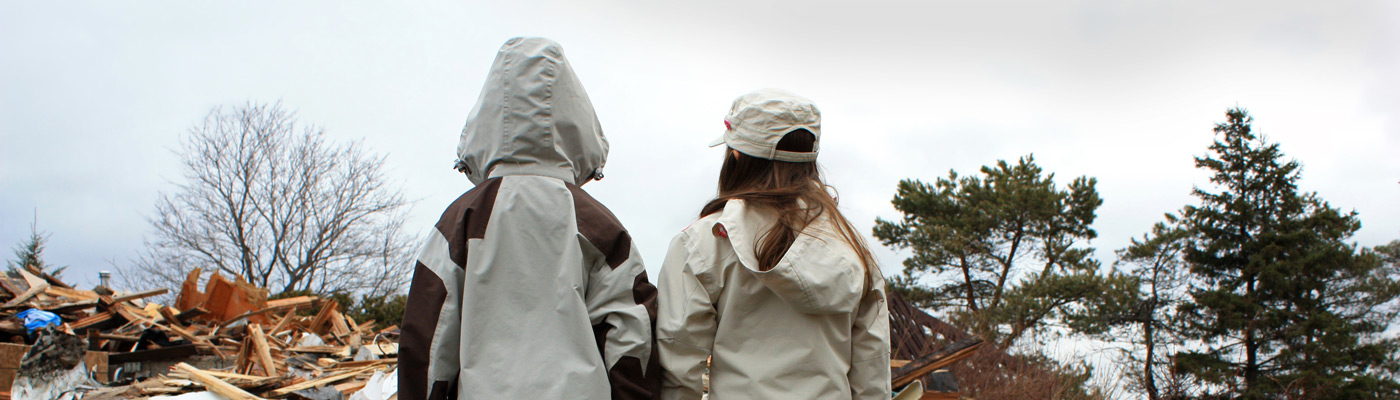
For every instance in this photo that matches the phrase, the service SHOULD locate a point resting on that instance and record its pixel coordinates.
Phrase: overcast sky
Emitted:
(95, 95)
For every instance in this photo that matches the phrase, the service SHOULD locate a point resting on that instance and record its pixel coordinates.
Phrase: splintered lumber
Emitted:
(291, 302)
(134, 316)
(338, 326)
(222, 298)
(31, 279)
(28, 294)
(169, 316)
(164, 353)
(59, 291)
(255, 313)
(933, 361)
(283, 323)
(263, 352)
(323, 381)
(12, 327)
(139, 295)
(328, 311)
(13, 285)
(91, 320)
(354, 340)
(214, 384)
(190, 296)
(349, 388)
(46, 277)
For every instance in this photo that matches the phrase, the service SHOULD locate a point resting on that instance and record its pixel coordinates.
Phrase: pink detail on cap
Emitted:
(726, 125)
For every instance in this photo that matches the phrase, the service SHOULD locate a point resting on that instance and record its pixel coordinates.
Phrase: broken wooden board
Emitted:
(928, 363)
(215, 384)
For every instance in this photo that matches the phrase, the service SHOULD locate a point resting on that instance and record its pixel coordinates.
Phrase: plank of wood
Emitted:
(292, 301)
(283, 322)
(355, 341)
(71, 293)
(253, 313)
(14, 286)
(323, 316)
(898, 363)
(169, 317)
(190, 314)
(933, 361)
(349, 388)
(322, 381)
(215, 384)
(323, 349)
(108, 336)
(263, 352)
(52, 281)
(70, 306)
(28, 294)
(338, 325)
(139, 295)
(31, 279)
(383, 349)
(164, 353)
(92, 320)
(230, 375)
(134, 315)
(12, 326)
(366, 363)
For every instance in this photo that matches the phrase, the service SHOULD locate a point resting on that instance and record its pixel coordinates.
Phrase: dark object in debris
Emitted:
(52, 351)
(943, 381)
(53, 368)
(321, 393)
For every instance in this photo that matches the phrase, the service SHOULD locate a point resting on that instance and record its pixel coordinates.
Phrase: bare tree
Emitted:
(279, 205)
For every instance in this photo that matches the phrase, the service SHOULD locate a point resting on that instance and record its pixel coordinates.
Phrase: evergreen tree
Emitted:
(1005, 249)
(30, 253)
(1281, 304)
(1145, 315)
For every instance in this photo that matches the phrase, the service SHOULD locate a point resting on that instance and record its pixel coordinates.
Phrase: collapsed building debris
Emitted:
(922, 346)
(228, 339)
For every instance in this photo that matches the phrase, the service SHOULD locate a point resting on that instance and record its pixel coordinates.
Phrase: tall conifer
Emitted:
(1282, 304)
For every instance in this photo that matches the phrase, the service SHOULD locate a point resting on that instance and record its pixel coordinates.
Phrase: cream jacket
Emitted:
(813, 327)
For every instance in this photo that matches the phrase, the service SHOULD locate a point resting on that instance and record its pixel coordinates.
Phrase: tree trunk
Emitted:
(1148, 378)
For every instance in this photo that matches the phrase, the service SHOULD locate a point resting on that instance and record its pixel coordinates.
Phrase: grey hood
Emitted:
(533, 118)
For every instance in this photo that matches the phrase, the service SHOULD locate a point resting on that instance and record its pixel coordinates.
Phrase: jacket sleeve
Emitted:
(428, 360)
(870, 349)
(622, 308)
(686, 323)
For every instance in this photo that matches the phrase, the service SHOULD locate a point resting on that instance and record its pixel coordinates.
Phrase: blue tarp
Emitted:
(35, 319)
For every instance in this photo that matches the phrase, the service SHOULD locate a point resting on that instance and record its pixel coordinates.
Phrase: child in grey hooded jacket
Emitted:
(529, 288)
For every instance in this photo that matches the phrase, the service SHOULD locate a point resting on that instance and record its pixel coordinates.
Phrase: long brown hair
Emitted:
(777, 187)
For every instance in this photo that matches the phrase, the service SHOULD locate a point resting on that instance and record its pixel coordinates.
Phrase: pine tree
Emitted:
(1280, 303)
(1148, 318)
(1005, 250)
(30, 253)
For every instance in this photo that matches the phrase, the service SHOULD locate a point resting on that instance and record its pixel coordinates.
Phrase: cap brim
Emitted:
(718, 141)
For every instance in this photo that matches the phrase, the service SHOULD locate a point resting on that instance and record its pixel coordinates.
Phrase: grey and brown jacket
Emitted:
(529, 288)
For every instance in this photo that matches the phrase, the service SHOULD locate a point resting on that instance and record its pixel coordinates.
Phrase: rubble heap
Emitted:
(228, 339)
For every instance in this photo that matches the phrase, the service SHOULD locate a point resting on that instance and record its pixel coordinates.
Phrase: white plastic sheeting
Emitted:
(381, 386)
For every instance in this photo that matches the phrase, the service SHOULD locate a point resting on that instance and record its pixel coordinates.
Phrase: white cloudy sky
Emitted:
(94, 95)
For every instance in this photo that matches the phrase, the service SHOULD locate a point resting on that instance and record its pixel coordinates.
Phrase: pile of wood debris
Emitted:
(228, 339)
(923, 347)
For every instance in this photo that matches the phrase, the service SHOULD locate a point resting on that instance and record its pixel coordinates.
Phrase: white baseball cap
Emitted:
(758, 120)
